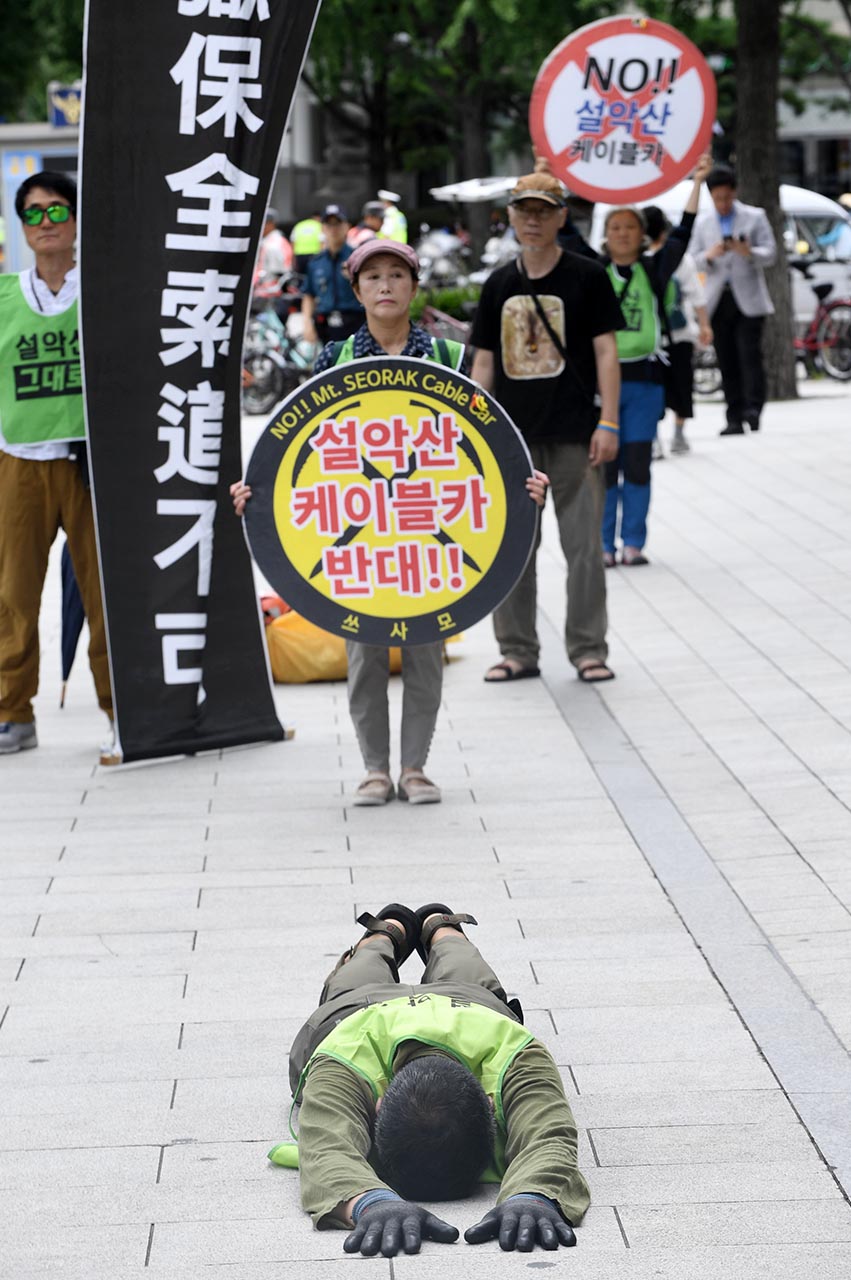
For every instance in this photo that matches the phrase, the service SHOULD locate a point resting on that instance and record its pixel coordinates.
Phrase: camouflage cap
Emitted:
(538, 186)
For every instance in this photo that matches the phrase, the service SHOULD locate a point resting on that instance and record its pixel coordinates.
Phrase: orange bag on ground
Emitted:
(300, 652)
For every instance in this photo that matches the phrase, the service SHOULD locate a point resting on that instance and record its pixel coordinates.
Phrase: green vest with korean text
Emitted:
(41, 389)
(483, 1041)
(443, 351)
(642, 336)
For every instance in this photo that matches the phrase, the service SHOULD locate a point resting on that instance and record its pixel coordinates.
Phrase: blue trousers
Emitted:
(642, 404)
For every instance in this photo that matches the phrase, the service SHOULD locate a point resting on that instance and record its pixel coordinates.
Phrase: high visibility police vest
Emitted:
(41, 388)
(642, 336)
(394, 226)
(306, 237)
(483, 1041)
(443, 351)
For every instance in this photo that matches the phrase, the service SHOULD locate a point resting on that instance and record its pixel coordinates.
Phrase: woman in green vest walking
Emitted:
(384, 276)
(640, 283)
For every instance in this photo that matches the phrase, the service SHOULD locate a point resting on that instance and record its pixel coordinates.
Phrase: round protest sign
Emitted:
(389, 502)
(622, 109)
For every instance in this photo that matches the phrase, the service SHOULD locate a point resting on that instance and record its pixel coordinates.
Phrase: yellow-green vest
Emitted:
(41, 390)
(642, 336)
(483, 1041)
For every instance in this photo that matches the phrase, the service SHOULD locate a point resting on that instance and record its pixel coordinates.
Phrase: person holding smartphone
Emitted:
(733, 244)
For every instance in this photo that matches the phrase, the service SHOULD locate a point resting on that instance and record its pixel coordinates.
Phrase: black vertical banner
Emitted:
(185, 106)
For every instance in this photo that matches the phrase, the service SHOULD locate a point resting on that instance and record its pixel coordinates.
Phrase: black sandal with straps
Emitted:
(403, 944)
(446, 919)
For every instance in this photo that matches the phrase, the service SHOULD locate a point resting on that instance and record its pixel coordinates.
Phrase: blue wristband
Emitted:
(369, 1199)
(537, 1195)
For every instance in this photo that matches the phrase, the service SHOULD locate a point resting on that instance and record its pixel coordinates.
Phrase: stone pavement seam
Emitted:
(791, 1035)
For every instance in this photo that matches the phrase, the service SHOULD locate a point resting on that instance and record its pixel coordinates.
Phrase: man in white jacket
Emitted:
(733, 245)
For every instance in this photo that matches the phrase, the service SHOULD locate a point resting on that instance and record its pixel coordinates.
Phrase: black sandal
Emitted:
(403, 944)
(446, 919)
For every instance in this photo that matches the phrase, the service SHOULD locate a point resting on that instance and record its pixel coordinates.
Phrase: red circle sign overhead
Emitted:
(622, 109)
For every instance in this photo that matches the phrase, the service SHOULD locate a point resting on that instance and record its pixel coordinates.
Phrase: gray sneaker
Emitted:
(679, 444)
(16, 737)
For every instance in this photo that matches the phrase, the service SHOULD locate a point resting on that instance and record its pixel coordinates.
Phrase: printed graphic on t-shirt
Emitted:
(527, 349)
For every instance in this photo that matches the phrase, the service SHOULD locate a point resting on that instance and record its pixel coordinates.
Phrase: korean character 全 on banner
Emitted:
(348, 570)
(386, 441)
(319, 503)
(241, 9)
(199, 534)
(198, 183)
(650, 117)
(434, 443)
(400, 567)
(231, 66)
(414, 504)
(194, 450)
(590, 117)
(201, 301)
(185, 633)
(465, 497)
(27, 346)
(337, 446)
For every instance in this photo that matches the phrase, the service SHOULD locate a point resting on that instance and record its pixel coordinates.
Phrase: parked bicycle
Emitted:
(826, 342)
(275, 358)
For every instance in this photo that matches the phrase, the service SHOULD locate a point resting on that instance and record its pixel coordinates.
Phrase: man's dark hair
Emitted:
(655, 221)
(58, 183)
(721, 176)
(434, 1133)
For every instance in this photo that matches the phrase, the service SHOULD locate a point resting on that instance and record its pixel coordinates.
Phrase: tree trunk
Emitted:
(757, 76)
(475, 161)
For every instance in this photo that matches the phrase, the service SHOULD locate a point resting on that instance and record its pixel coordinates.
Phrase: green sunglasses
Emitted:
(34, 215)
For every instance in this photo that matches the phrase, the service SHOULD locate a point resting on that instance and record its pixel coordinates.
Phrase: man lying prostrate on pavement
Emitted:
(412, 1093)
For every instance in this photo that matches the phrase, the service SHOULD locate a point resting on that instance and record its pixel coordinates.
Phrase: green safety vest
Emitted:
(483, 1041)
(306, 237)
(41, 390)
(642, 336)
(443, 351)
(395, 226)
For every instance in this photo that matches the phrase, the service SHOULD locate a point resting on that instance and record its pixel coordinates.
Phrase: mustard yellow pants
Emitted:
(36, 500)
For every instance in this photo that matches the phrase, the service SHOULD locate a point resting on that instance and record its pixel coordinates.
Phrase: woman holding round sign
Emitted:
(384, 276)
(641, 283)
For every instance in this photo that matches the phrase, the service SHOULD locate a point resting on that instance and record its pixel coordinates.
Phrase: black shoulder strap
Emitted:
(553, 336)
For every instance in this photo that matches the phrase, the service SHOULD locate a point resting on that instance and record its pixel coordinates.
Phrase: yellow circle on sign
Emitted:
(400, 504)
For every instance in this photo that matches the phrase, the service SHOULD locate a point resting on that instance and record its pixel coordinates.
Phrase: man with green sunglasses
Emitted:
(43, 479)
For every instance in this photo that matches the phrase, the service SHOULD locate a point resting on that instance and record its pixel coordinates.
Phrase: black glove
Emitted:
(391, 1225)
(521, 1222)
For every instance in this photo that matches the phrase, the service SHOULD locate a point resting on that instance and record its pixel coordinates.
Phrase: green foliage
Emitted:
(42, 40)
(452, 301)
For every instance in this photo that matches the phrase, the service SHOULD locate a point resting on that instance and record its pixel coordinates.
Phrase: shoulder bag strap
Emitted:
(553, 336)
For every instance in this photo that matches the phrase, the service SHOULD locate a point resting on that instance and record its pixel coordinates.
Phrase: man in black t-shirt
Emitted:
(545, 347)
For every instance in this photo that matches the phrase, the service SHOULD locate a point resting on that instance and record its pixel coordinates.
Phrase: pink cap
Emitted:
(372, 248)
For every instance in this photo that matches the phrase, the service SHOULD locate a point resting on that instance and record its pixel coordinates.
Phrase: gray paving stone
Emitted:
(679, 1226)
(746, 1072)
(116, 1247)
(712, 1184)
(30, 1171)
(704, 1144)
